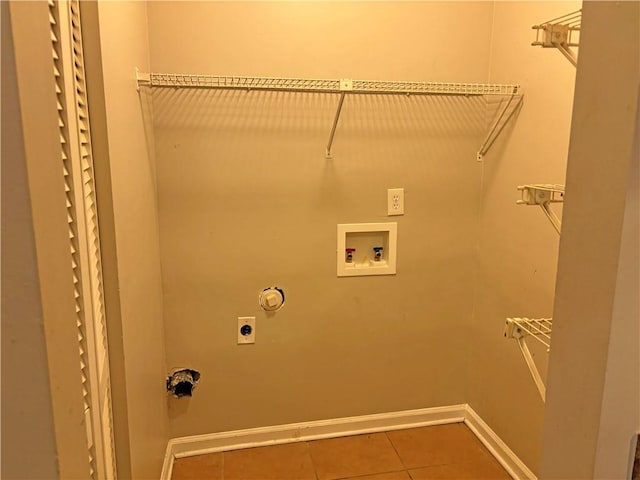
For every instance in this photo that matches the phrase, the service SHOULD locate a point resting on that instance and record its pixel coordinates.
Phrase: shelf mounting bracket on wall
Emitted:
(560, 33)
(543, 195)
(342, 87)
(537, 328)
(346, 85)
(142, 79)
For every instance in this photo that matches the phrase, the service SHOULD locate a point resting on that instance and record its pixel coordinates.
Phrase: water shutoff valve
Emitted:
(377, 253)
(348, 256)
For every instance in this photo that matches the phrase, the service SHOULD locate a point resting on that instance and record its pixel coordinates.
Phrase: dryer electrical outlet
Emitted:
(395, 201)
(246, 330)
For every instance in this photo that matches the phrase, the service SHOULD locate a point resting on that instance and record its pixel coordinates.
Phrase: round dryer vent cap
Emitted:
(271, 299)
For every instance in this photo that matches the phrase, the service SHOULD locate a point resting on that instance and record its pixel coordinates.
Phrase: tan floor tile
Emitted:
(200, 467)
(442, 472)
(459, 472)
(278, 462)
(487, 467)
(404, 475)
(352, 456)
(437, 445)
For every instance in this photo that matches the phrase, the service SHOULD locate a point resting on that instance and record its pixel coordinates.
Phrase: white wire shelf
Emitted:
(175, 80)
(543, 195)
(539, 329)
(343, 87)
(560, 33)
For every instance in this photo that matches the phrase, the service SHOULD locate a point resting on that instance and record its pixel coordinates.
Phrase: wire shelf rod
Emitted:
(570, 19)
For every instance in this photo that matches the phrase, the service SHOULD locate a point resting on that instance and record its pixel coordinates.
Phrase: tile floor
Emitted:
(439, 452)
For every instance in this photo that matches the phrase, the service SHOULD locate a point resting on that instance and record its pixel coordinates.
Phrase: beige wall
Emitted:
(129, 233)
(247, 200)
(28, 438)
(379, 40)
(518, 247)
(585, 372)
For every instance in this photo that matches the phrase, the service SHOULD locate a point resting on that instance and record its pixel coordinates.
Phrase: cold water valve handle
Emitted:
(377, 253)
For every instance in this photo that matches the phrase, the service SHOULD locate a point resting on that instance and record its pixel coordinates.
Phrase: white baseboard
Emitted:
(340, 427)
(500, 450)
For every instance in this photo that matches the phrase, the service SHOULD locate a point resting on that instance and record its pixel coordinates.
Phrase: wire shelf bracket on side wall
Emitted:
(560, 33)
(543, 195)
(343, 87)
(499, 123)
(537, 328)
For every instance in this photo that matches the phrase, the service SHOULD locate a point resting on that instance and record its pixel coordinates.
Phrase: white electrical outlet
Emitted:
(395, 201)
(246, 330)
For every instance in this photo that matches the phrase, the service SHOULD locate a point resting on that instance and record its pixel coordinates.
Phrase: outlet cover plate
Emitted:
(246, 330)
(395, 201)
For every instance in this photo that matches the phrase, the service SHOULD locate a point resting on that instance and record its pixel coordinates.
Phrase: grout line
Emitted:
(395, 450)
(366, 475)
(313, 463)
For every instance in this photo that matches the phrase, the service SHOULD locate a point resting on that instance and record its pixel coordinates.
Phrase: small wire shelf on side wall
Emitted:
(538, 329)
(543, 195)
(561, 33)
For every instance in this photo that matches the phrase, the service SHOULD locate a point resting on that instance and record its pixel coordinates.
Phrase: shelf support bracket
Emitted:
(498, 126)
(533, 369)
(553, 218)
(142, 79)
(569, 54)
(346, 85)
(327, 153)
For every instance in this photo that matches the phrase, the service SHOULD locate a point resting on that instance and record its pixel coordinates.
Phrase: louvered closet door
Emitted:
(77, 169)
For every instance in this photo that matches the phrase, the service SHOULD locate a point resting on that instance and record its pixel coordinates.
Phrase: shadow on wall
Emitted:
(372, 117)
